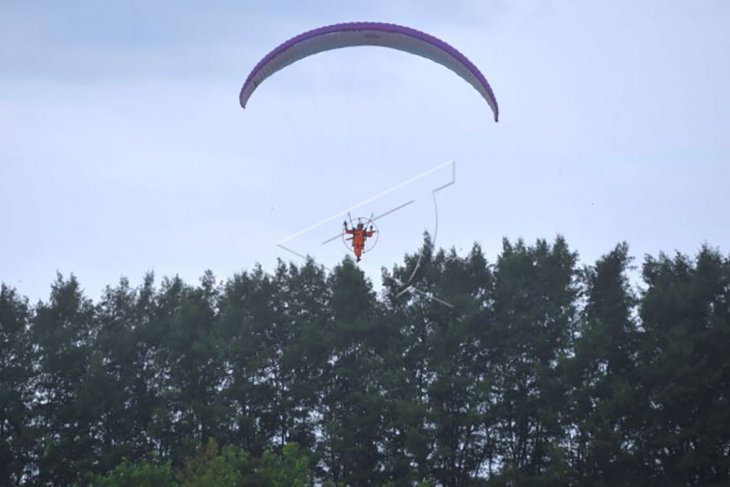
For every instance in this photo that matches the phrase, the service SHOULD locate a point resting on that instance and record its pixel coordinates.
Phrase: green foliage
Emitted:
(535, 372)
(534, 313)
(684, 368)
(213, 466)
(602, 375)
(63, 331)
(16, 375)
(145, 474)
(216, 467)
(289, 468)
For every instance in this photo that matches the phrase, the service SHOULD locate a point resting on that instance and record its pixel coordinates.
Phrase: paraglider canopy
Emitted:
(368, 34)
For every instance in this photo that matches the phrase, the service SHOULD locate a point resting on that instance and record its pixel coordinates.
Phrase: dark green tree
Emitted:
(685, 370)
(534, 319)
(526, 372)
(275, 332)
(444, 341)
(304, 356)
(121, 373)
(63, 331)
(353, 408)
(247, 316)
(16, 388)
(603, 378)
(188, 364)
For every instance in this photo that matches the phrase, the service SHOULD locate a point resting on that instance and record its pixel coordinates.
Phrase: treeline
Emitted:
(540, 372)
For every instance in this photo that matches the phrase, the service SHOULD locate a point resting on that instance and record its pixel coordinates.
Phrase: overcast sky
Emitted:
(123, 148)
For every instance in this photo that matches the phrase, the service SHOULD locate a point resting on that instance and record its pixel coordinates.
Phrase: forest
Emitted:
(544, 371)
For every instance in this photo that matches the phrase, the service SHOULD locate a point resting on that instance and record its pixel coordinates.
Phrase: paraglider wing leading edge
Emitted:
(368, 34)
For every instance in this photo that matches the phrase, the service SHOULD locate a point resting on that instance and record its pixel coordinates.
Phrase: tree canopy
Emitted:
(542, 371)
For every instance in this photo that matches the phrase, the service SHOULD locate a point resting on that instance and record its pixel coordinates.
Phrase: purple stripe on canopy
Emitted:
(373, 34)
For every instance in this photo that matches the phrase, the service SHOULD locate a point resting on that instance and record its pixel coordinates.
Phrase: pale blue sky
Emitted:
(123, 148)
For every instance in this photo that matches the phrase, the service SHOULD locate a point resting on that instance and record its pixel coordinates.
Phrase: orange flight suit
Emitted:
(359, 235)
